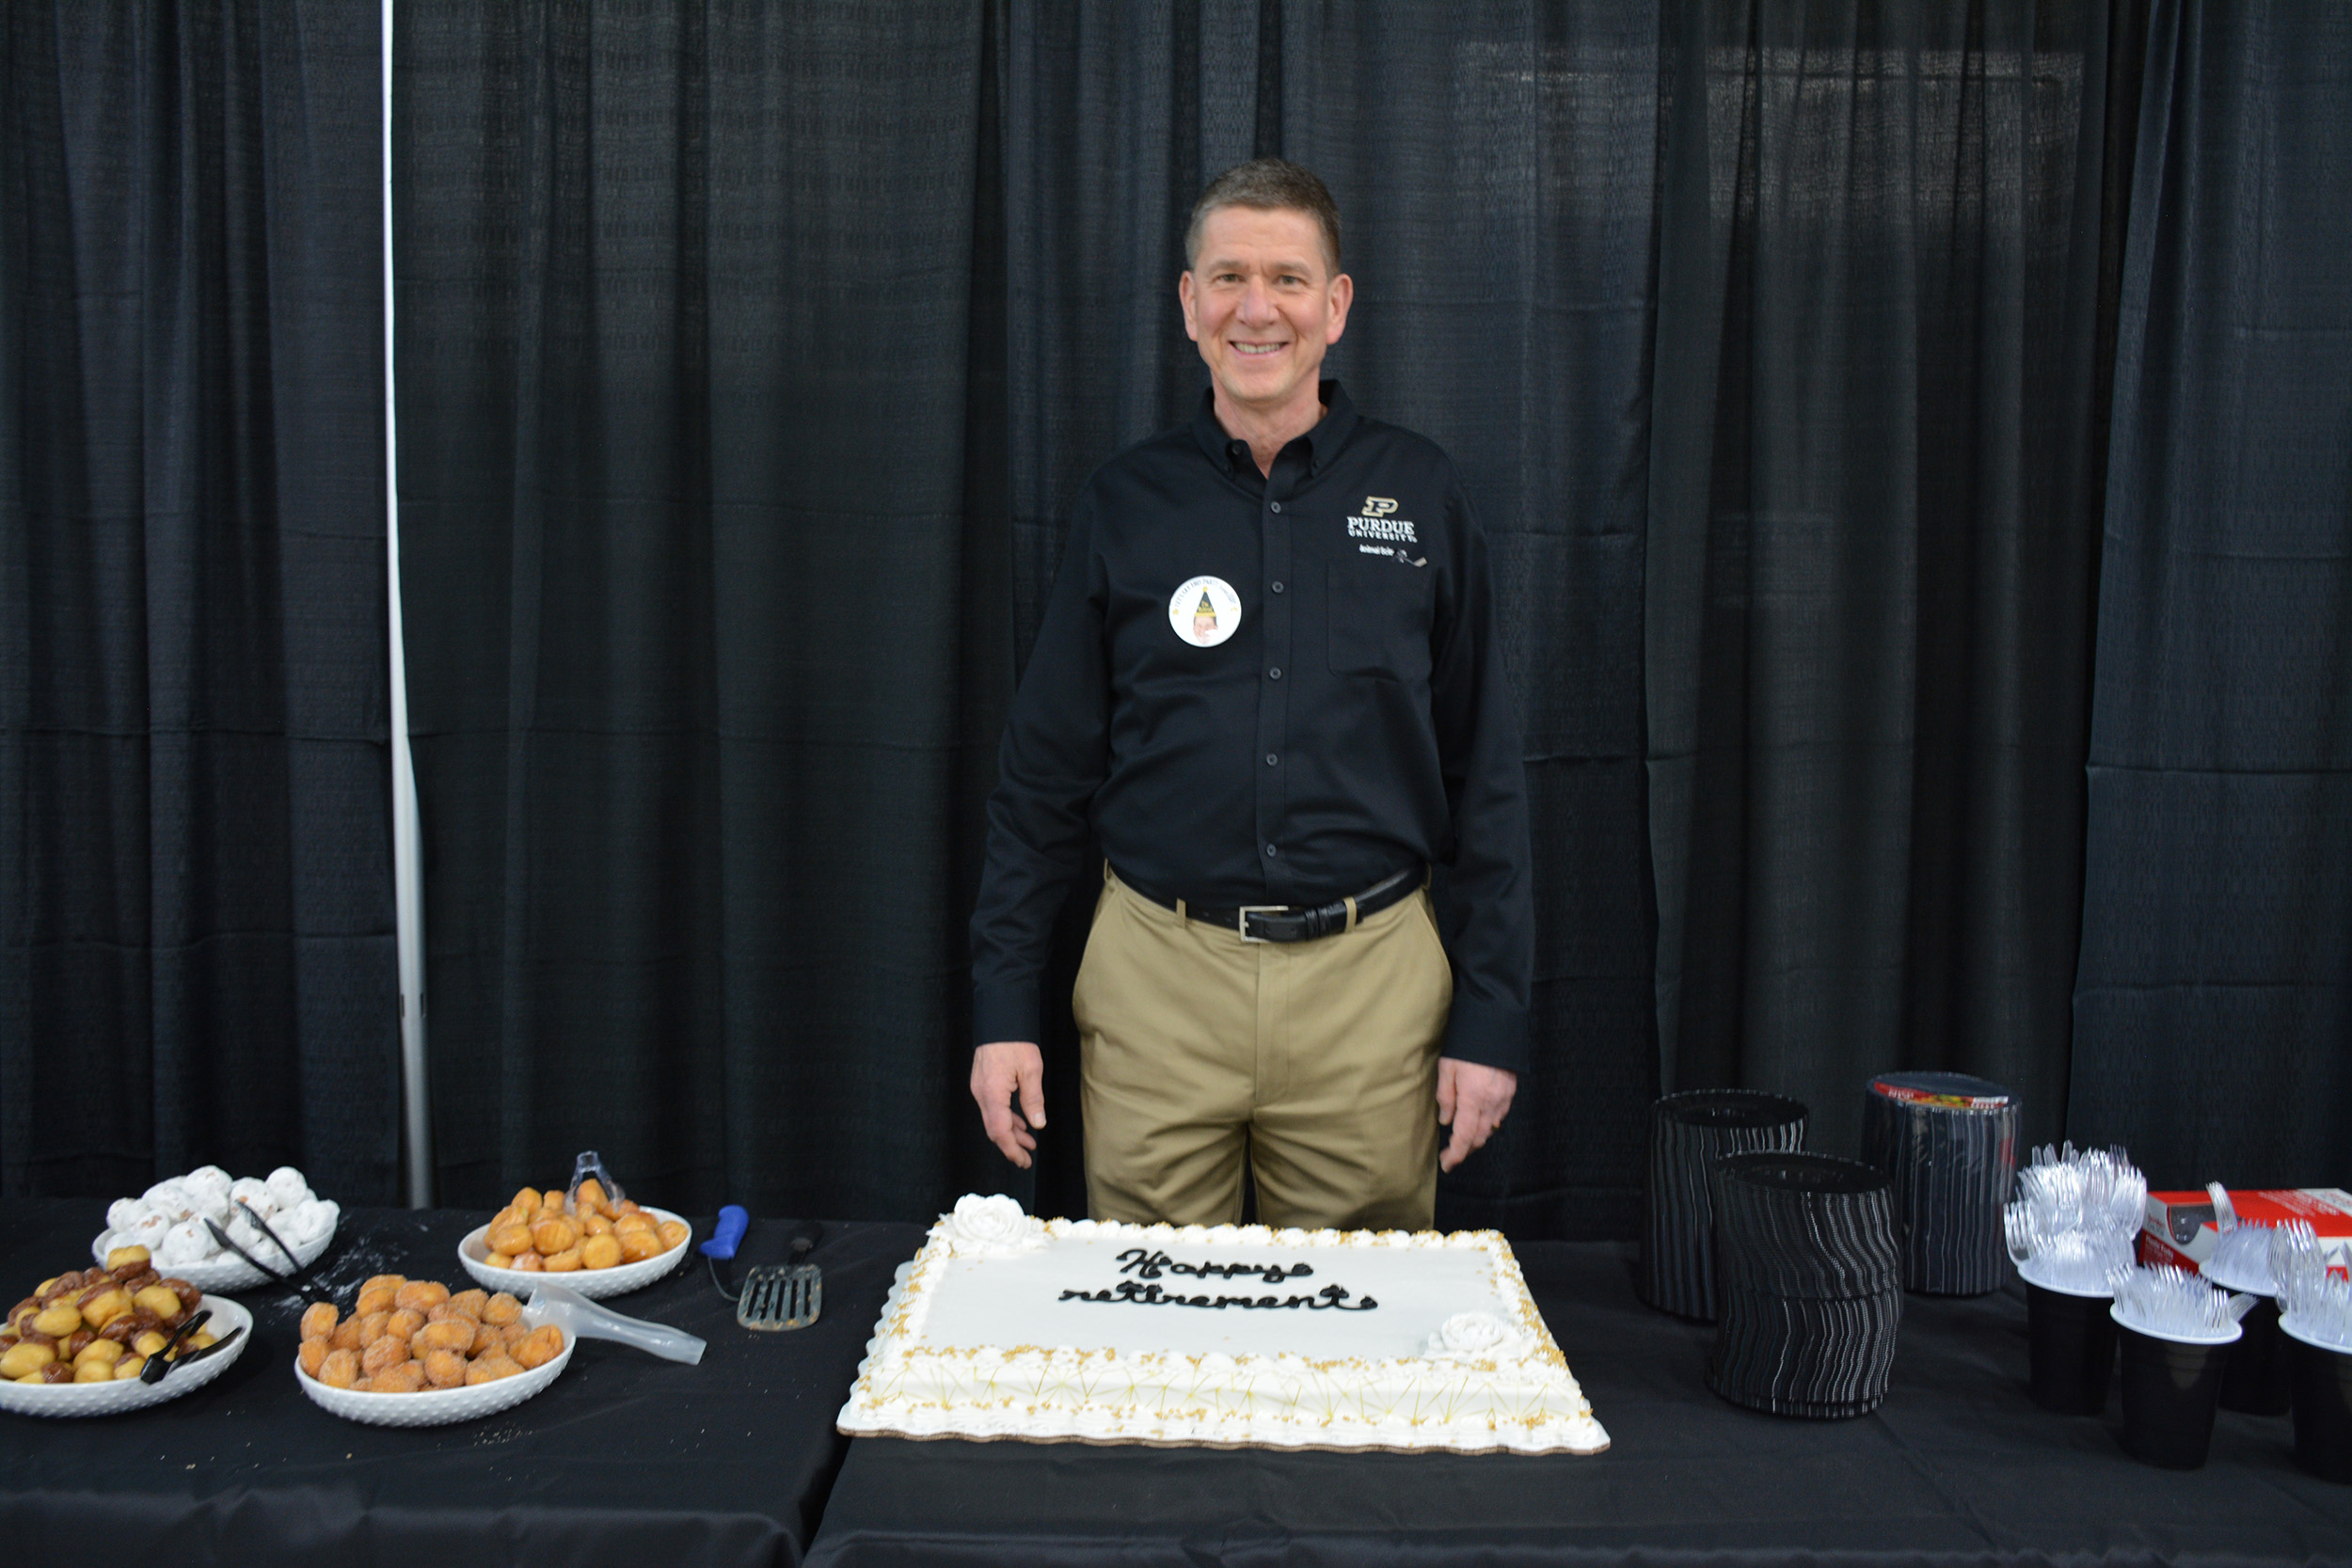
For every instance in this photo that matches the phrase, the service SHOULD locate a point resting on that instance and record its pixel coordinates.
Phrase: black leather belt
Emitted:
(1294, 922)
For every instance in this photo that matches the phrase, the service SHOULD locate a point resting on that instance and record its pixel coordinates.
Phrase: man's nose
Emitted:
(1257, 303)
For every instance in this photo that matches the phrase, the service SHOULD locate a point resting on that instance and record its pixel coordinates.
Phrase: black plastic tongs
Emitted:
(288, 1277)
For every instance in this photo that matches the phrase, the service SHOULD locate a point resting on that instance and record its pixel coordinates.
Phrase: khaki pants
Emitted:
(1318, 1059)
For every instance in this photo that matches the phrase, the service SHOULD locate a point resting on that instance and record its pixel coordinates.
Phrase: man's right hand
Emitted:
(1000, 1069)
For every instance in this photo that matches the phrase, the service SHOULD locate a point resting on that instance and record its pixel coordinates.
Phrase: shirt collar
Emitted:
(1323, 442)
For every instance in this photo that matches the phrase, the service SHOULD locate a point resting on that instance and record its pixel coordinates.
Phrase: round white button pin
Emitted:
(1204, 611)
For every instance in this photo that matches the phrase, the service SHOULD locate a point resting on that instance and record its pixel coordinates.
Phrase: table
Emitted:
(1957, 1466)
(625, 1458)
(630, 1460)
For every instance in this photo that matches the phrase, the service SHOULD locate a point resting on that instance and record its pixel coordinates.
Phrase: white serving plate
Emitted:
(230, 1272)
(595, 1284)
(113, 1399)
(433, 1407)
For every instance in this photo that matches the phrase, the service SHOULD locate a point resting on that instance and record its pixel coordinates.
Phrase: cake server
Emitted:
(785, 1296)
(773, 1295)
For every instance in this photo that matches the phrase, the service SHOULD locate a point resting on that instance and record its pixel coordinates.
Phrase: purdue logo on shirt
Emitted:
(1204, 611)
(1379, 521)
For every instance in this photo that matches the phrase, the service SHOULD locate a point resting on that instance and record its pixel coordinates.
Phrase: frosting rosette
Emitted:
(993, 1228)
(1476, 1337)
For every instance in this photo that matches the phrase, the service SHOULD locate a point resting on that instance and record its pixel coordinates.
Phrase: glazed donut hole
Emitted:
(97, 1324)
(550, 1231)
(431, 1339)
(419, 1295)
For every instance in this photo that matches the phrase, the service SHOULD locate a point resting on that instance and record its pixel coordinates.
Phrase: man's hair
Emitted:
(1269, 184)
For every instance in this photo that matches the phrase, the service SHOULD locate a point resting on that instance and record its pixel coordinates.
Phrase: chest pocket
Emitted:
(1378, 613)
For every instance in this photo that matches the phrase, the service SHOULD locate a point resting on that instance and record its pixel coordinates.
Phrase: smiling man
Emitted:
(1269, 687)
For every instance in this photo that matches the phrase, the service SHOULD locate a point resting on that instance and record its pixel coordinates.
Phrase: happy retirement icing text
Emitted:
(1145, 1267)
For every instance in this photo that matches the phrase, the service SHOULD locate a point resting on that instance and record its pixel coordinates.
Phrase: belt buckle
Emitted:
(1241, 919)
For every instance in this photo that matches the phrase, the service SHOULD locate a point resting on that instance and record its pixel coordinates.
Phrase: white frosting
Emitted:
(255, 1195)
(248, 1235)
(207, 1179)
(979, 1339)
(287, 1188)
(169, 1199)
(187, 1242)
(169, 1219)
(311, 1219)
(991, 1228)
(1475, 1337)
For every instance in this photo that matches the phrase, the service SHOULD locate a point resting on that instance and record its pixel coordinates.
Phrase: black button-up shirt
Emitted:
(1351, 720)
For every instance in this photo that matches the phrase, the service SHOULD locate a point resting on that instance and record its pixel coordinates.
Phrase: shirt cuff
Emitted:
(1004, 1011)
(1490, 1034)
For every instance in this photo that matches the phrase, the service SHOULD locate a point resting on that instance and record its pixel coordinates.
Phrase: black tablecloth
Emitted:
(629, 1460)
(624, 1460)
(1958, 1466)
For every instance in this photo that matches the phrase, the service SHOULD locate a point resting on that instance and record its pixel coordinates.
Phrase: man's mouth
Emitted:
(1259, 348)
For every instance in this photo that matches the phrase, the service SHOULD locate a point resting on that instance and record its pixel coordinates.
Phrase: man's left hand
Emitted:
(1473, 1100)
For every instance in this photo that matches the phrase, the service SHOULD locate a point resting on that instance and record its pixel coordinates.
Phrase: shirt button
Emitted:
(1278, 506)
(1269, 850)
(1271, 760)
(1275, 674)
(1278, 588)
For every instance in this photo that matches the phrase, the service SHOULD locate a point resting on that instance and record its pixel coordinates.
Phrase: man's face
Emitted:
(1263, 305)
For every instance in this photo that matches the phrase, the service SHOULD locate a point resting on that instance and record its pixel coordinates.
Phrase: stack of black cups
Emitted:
(1948, 1143)
(1688, 1133)
(1810, 1287)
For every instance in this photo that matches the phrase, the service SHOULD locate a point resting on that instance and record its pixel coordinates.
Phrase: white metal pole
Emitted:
(407, 866)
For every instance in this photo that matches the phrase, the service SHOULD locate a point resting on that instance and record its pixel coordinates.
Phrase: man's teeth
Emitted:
(1259, 348)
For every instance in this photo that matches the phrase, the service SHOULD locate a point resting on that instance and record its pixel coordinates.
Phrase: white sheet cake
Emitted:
(1224, 1335)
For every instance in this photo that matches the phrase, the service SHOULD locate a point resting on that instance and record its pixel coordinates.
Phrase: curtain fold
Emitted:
(1496, 165)
(2214, 1005)
(695, 601)
(1871, 539)
(1114, 116)
(196, 923)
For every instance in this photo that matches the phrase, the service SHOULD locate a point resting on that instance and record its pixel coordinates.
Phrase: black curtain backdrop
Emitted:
(2214, 1011)
(719, 591)
(195, 947)
(1491, 158)
(750, 357)
(1872, 536)
(707, 656)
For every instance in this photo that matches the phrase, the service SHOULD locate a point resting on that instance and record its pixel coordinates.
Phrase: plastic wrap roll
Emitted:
(1688, 1133)
(1811, 1284)
(1948, 1143)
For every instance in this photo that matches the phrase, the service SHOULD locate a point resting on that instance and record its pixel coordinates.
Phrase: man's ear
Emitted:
(1342, 296)
(1183, 297)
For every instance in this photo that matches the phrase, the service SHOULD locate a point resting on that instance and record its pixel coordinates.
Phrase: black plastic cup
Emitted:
(2070, 1349)
(2322, 1381)
(2170, 1390)
(2260, 1378)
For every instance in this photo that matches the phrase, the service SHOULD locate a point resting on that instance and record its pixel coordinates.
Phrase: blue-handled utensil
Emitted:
(773, 1295)
(728, 1233)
